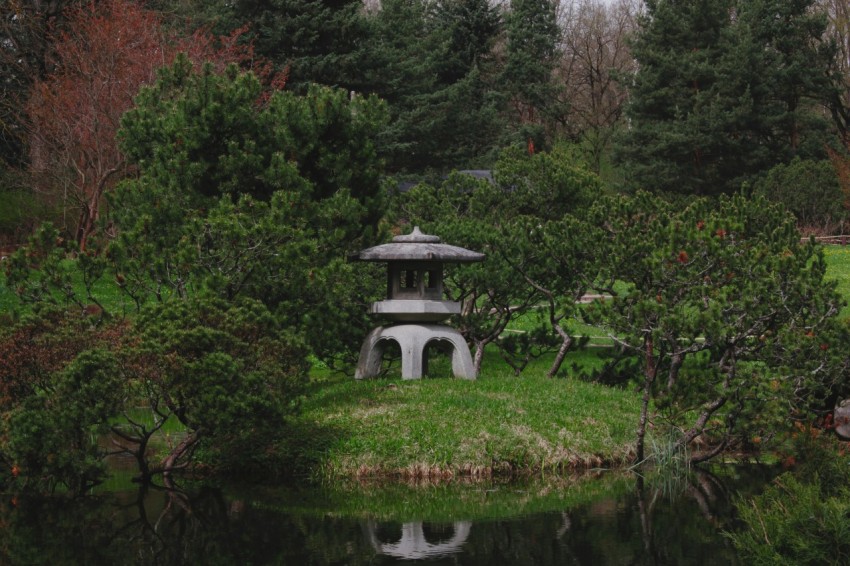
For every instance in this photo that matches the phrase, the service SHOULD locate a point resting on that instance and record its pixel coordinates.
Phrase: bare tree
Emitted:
(98, 63)
(595, 56)
(838, 13)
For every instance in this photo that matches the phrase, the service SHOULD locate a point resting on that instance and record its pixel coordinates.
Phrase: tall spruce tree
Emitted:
(792, 66)
(315, 41)
(433, 64)
(723, 92)
(674, 137)
(532, 37)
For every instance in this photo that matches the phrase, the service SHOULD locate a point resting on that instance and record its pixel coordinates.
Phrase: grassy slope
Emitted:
(448, 427)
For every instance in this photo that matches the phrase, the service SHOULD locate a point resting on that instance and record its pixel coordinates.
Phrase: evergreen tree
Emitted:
(674, 137)
(532, 36)
(24, 44)
(791, 73)
(722, 92)
(316, 41)
(434, 66)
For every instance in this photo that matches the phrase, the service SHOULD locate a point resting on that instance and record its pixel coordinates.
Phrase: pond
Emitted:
(605, 519)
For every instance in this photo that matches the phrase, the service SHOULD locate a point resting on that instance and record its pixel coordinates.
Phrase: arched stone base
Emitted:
(413, 339)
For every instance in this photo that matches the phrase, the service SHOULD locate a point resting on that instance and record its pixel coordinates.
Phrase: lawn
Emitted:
(497, 424)
(838, 269)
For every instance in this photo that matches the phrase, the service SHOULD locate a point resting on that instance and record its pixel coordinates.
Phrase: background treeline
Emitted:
(686, 98)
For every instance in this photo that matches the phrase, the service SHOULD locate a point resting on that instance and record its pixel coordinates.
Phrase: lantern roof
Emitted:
(417, 246)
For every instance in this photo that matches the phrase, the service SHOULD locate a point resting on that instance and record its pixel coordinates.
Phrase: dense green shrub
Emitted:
(726, 312)
(227, 371)
(59, 386)
(809, 189)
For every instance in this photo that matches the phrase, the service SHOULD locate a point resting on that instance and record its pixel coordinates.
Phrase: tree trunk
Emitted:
(648, 379)
(170, 462)
(566, 344)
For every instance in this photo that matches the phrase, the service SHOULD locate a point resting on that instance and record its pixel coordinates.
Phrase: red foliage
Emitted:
(33, 352)
(107, 51)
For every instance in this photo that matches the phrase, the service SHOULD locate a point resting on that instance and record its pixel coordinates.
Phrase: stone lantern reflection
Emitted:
(414, 305)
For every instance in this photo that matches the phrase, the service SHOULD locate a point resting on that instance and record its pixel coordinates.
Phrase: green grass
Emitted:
(443, 502)
(838, 269)
(439, 427)
(105, 290)
(537, 317)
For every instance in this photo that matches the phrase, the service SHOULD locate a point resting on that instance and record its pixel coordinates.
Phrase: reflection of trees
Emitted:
(161, 526)
(666, 523)
(157, 526)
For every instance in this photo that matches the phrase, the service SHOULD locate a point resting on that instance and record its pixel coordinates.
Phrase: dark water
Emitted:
(594, 521)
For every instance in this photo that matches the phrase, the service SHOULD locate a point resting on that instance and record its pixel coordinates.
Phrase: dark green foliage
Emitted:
(547, 185)
(52, 435)
(727, 312)
(433, 65)
(24, 38)
(809, 189)
(226, 371)
(531, 52)
(676, 136)
(316, 41)
(793, 523)
(230, 243)
(241, 199)
(60, 386)
(41, 275)
(801, 518)
(724, 90)
(790, 78)
(203, 134)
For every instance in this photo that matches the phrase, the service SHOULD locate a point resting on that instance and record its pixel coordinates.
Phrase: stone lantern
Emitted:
(415, 305)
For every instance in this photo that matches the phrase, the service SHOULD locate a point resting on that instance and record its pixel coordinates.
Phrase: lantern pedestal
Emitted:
(414, 339)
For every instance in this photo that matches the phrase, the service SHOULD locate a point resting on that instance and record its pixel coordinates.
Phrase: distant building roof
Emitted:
(487, 174)
(479, 173)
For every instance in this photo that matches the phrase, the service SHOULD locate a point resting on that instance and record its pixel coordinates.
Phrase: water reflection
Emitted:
(505, 524)
(418, 539)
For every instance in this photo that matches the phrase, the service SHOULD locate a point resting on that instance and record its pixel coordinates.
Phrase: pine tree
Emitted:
(315, 41)
(434, 66)
(532, 35)
(792, 66)
(672, 141)
(723, 92)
